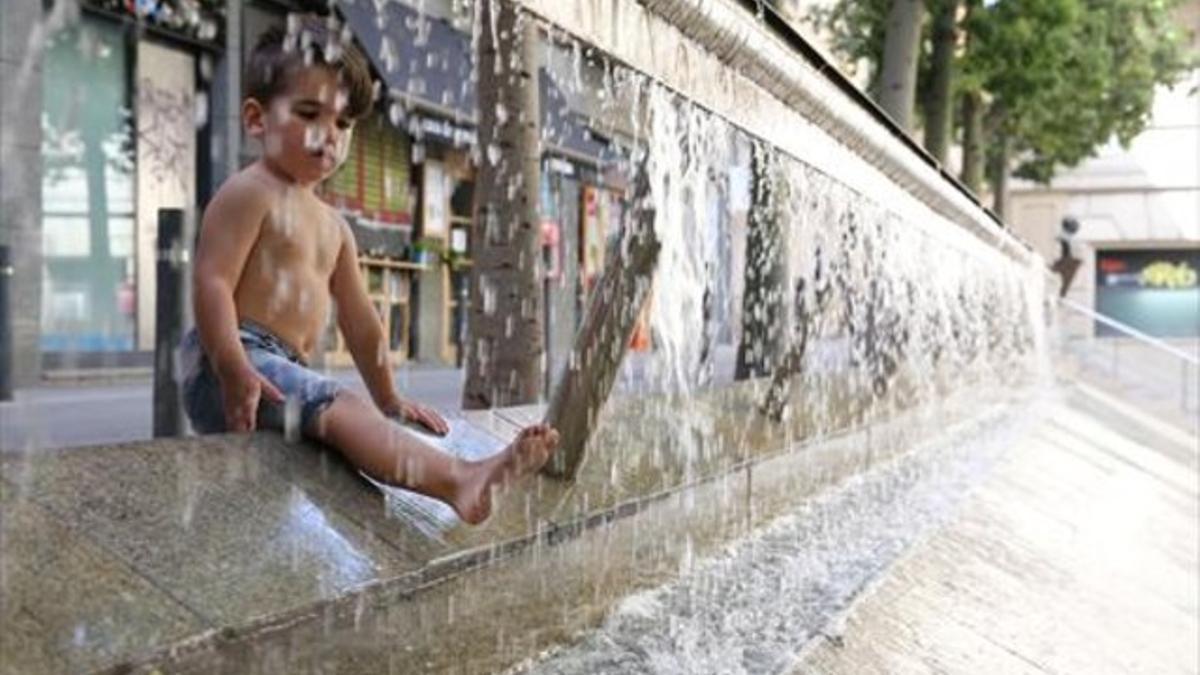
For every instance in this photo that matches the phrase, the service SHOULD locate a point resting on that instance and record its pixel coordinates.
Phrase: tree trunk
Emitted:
(505, 345)
(972, 169)
(938, 100)
(972, 114)
(604, 335)
(999, 174)
(900, 51)
(763, 312)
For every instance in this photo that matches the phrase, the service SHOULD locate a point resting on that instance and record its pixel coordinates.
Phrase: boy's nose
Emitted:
(333, 133)
(322, 135)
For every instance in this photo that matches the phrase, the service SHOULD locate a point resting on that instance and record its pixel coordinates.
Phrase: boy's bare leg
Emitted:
(387, 453)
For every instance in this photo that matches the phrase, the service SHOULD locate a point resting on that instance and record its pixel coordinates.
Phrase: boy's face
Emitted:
(304, 131)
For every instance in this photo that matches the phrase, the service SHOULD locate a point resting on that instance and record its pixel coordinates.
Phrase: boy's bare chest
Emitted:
(299, 243)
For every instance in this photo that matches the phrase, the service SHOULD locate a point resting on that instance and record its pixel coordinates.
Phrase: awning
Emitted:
(426, 60)
(565, 129)
(419, 56)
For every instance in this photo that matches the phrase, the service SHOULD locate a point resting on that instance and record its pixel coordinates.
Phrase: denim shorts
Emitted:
(307, 392)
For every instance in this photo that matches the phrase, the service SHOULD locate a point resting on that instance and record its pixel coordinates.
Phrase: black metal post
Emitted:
(168, 321)
(6, 344)
(460, 318)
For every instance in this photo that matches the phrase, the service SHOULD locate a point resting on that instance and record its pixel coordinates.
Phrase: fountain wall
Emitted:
(890, 287)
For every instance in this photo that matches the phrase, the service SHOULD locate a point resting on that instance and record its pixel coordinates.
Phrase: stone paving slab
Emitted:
(1078, 555)
(69, 605)
(205, 518)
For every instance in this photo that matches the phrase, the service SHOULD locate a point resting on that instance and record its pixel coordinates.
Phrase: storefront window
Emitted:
(374, 181)
(1154, 291)
(87, 192)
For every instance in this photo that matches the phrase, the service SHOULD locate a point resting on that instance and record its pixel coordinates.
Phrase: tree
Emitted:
(1065, 76)
(603, 338)
(1043, 83)
(1102, 63)
(938, 96)
(973, 109)
(856, 32)
(506, 343)
(901, 51)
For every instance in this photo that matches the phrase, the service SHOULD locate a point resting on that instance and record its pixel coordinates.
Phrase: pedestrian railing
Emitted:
(1147, 367)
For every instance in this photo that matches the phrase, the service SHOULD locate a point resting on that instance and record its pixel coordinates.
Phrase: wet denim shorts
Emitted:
(307, 391)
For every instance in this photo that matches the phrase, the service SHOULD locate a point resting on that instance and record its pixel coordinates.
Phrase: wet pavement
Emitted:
(1077, 555)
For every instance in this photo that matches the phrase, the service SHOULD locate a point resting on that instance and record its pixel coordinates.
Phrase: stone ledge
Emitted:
(265, 550)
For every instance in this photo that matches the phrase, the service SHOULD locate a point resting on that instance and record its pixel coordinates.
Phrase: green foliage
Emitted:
(1065, 76)
(1061, 77)
(438, 248)
(858, 29)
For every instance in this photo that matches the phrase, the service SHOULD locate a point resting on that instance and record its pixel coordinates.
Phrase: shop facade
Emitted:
(139, 111)
(122, 116)
(425, 61)
(1154, 290)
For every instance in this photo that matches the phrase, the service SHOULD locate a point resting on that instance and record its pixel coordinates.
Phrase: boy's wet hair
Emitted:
(308, 41)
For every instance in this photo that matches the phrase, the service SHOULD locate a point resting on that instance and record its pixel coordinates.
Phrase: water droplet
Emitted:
(200, 118)
(291, 419)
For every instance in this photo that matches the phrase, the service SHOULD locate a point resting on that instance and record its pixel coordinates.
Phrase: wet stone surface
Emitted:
(271, 555)
(67, 604)
(1062, 545)
(208, 520)
(1078, 555)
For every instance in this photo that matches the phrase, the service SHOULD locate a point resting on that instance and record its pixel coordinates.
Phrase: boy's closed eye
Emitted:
(307, 112)
(308, 116)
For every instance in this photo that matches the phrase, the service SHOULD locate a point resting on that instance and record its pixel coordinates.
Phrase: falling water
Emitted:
(752, 606)
(876, 315)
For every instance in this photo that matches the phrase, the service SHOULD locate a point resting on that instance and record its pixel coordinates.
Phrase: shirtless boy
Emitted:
(270, 256)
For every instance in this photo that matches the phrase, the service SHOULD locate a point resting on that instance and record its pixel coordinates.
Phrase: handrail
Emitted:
(1131, 331)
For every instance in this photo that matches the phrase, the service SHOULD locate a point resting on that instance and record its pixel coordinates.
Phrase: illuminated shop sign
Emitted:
(1161, 270)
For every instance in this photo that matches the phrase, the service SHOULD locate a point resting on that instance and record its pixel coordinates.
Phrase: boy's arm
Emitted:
(231, 226)
(363, 330)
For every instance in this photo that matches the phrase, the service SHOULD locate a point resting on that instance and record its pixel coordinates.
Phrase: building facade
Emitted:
(103, 119)
(130, 108)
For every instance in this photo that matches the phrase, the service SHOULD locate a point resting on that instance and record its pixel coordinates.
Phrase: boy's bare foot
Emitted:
(526, 454)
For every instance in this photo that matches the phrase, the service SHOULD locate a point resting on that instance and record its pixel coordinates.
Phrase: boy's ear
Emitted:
(254, 117)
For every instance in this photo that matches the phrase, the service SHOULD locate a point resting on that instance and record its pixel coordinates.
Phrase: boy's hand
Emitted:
(241, 393)
(408, 411)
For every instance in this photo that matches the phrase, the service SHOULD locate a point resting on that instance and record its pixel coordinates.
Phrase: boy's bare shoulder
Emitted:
(334, 216)
(251, 188)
